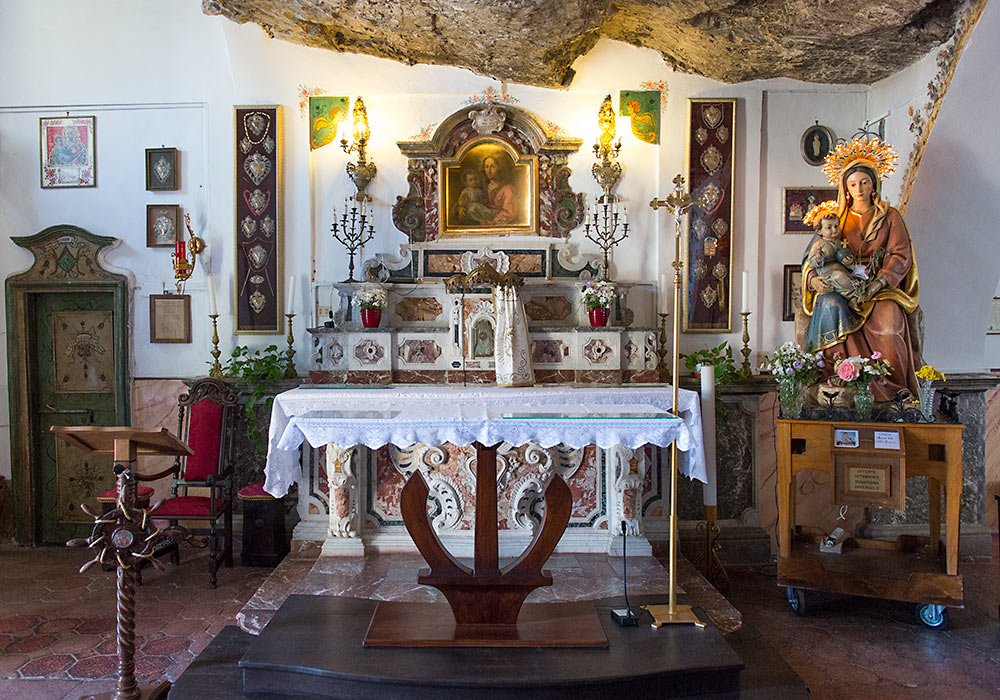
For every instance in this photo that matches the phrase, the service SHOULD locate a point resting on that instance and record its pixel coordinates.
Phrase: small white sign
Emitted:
(845, 438)
(886, 440)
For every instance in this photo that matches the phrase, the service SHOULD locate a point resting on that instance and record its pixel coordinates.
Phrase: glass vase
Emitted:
(864, 401)
(791, 397)
(926, 393)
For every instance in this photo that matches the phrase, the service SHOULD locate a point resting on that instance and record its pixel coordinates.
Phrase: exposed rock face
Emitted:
(536, 41)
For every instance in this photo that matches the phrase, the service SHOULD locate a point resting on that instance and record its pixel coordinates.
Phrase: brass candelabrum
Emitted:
(216, 371)
(351, 233)
(184, 265)
(290, 372)
(745, 369)
(604, 228)
(661, 351)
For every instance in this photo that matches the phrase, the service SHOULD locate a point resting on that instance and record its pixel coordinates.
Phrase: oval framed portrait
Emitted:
(816, 144)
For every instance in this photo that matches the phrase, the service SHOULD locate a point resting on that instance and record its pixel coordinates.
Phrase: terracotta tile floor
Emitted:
(57, 628)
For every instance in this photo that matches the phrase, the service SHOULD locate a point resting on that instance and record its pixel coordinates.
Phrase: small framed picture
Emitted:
(169, 318)
(797, 201)
(162, 221)
(845, 438)
(791, 291)
(161, 169)
(816, 144)
(68, 155)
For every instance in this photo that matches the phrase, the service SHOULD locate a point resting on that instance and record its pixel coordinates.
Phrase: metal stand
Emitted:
(216, 371)
(290, 372)
(745, 368)
(715, 572)
(661, 351)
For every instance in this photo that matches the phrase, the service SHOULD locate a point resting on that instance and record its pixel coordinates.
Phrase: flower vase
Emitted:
(926, 393)
(790, 398)
(370, 318)
(864, 401)
(599, 317)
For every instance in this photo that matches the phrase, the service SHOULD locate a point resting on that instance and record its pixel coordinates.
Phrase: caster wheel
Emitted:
(797, 600)
(933, 616)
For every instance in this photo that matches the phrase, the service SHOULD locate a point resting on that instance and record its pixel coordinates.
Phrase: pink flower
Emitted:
(876, 355)
(848, 371)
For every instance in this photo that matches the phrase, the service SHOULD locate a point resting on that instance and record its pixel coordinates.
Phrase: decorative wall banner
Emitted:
(257, 286)
(325, 115)
(709, 250)
(644, 108)
(68, 155)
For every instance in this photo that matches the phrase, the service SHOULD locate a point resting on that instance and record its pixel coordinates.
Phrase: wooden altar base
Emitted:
(313, 648)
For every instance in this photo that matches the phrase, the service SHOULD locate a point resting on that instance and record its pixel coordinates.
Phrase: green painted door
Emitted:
(75, 382)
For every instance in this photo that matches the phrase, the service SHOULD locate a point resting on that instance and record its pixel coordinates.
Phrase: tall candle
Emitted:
(179, 250)
(710, 489)
(746, 292)
(291, 295)
(664, 308)
(626, 215)
(211, 296)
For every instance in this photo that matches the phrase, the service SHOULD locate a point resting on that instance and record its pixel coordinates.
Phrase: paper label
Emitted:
(886, 440)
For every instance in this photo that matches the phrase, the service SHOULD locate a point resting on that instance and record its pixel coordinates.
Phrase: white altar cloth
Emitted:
(405, 415)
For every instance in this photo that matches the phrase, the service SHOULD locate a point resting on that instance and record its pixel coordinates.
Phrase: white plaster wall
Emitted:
(165, 74)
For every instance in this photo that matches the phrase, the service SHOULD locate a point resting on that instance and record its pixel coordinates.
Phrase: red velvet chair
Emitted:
(205, 422)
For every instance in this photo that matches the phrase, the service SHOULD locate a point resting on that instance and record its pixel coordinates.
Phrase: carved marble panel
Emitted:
(548, 308)
(419, 309)
(424, 352)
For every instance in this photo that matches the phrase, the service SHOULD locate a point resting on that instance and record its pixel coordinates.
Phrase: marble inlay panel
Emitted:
(548, 308)
(419, 309)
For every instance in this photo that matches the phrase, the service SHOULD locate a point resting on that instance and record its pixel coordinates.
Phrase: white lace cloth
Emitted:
(406, 415)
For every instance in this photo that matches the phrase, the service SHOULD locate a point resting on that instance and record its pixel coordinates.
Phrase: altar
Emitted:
(349, 493)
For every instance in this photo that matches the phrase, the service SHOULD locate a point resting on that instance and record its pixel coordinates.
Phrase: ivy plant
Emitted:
(259, 370)
(721, 356)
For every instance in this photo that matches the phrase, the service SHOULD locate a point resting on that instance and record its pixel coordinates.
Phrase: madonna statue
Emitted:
(876, 235)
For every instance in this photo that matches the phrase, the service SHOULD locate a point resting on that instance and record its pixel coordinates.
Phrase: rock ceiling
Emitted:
(536, 41)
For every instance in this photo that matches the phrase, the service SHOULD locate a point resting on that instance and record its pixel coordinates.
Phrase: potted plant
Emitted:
(259, 370)
(859, 372)
(928, 374)
(793, 368)
(598, 298)
(720, 356)
(371, 299)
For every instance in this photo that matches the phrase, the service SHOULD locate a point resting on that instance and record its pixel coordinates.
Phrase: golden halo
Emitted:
(820, 212)
(880, 156)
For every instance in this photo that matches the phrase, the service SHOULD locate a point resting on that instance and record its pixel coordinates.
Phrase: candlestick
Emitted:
(710, 489)
(213, 309)
(746, 292)
(291, 296)
(745, 368)
(290, 372)
(216, 371)
(661, 350)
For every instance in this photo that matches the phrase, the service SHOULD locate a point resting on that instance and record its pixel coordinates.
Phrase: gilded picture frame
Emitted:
(816, 143)
(162, 224)
(488, 189)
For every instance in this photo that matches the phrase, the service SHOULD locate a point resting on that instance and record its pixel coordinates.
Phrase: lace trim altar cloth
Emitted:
(405, 415)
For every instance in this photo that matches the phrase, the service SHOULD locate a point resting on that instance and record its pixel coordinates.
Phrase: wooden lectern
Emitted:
(124, 535)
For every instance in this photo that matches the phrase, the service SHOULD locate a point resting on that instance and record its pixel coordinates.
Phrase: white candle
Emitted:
(291, 295)
(211, 296)
(746, 292)
(626, 215)
(664, 309)
(595, 207)
(710, 489)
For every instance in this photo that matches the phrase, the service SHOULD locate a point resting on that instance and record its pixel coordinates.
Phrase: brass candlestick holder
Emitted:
(715, 572)
(745, 368)
(216, 371)
(290, 372)
(604, 228)
(351, 232)
(661, 351)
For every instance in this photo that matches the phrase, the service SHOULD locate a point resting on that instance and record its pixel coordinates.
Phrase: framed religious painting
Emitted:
(791, 291)
(169, 318)
(797, 201)
(162, 221)
(816, 144)
(161, 169)
(488, 188)
(68, 155)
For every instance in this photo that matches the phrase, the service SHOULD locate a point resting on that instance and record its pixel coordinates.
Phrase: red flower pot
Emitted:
(370, 318)
(599, 317)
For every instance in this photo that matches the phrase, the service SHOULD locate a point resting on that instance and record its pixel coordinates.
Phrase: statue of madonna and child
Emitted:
(859, 276)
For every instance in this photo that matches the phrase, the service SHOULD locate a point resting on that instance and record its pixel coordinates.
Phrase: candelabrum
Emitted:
(604, 229)
(216, 371)
(351, 233)
(184, 266)
(362, 172)
(290, 372)
(661, 351)
(745, 368)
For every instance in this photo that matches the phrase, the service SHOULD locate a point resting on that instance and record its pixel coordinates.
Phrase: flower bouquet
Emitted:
(598, 298)
(859, 372)
(793, 368)
(928, 374)
(371, 300)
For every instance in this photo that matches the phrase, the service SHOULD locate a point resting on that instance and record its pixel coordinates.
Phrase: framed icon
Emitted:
(68, 155)
(796, 203)
(162, 221)
(161, 169)
(816, 144)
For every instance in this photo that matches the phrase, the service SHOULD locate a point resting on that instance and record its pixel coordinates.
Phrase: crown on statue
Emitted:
(880, 156)
(820, 212)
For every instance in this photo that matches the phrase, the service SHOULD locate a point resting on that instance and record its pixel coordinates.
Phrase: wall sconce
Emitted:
(362, 172)
(607, 172)
(183, 266)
